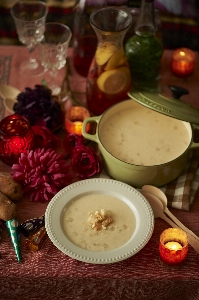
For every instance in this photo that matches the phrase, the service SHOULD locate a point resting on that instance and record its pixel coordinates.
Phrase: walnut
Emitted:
(98, 216)
(99, 220)
(96, 226)
(107, 221)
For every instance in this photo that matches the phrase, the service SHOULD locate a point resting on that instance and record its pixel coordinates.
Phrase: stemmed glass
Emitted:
(53, 51)
(30, 17)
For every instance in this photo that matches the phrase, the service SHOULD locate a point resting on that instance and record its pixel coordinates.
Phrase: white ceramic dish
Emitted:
(139, 205)
(9, 94)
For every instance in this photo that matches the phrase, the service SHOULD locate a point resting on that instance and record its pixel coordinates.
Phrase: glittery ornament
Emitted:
(12, 226)
(29, 226)
(36, 240)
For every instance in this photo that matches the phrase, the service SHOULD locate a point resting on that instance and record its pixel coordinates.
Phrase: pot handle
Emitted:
(86, 135)
(195, 144)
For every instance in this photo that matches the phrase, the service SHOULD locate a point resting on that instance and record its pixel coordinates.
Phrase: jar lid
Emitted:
(172, 107)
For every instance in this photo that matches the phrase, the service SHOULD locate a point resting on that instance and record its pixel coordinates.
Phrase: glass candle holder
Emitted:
(74, 118)
(16, 137)
(173, 246)
(183, 61)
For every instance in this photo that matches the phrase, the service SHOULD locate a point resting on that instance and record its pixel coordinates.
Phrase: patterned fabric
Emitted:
(49, 274)
(181, 191)
(58, 3)
(179, 32)
(5, 64)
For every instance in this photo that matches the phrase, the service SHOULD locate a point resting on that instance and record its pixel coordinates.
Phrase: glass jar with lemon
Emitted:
(109, 78)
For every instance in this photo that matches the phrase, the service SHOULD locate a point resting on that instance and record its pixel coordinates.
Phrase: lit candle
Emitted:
(16, 137)
(173, 246)
(182, 63)
(74, 118)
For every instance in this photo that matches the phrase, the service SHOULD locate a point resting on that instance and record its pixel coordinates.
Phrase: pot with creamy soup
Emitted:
(140, 146)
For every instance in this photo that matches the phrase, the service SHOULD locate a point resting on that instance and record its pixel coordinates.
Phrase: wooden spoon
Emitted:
(162, 197)
(158, 210)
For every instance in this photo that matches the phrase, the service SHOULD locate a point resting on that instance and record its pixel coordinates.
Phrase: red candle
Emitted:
(74, 119)
(173, 246)
(182, 63)
(16, 137)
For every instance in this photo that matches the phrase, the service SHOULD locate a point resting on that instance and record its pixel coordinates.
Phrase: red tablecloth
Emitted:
(50, 274)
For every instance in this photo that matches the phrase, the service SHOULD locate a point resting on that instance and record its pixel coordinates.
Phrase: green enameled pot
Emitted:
(138, 175)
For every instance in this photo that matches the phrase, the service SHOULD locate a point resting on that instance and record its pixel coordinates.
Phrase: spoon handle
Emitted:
(192, 240)
(174, 219)
(164, 217)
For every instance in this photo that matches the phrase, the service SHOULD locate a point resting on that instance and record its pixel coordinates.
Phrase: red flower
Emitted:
(71, 141)
(85, 162)
(42, 172)
(44, 138)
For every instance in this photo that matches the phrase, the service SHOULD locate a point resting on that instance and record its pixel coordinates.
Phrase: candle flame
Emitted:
(182, 53)
(173, 246)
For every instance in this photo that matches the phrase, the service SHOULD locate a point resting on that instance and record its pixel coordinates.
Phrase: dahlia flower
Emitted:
(42, 173)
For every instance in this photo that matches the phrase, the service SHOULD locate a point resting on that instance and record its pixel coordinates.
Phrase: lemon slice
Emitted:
(103, 53)
(114, 81)
(117, 59)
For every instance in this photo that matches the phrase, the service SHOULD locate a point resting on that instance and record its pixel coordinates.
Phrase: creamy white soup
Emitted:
(82, 217)
(141, 136)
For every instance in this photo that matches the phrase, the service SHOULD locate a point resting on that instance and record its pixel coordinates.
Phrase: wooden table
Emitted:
(50, 274)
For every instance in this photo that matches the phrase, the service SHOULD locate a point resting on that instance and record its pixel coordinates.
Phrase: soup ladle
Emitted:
(158, 210)
(162, 197)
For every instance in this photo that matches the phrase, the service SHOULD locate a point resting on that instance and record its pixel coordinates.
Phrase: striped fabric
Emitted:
(181, 192)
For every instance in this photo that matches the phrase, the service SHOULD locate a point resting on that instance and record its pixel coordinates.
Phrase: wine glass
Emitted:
(53, 51)
(30, 17)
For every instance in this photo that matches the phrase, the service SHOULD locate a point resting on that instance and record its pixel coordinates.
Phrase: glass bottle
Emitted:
(144, 50)
(109, 79)
(84, 38)
(133, 7)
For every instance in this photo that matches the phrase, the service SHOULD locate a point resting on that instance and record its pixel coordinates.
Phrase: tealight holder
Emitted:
(74, 118)
(16, 137)
(183, 61)
(173, 246)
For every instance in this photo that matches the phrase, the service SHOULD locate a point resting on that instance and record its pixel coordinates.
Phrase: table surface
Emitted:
(50, 274)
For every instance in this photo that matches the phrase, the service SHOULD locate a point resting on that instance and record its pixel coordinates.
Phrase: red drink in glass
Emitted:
(108, 79)
(84, 51)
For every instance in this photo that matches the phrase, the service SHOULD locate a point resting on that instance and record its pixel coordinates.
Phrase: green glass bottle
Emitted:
(144, 50)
